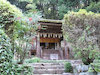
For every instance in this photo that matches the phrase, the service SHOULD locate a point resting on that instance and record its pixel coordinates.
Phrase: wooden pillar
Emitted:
(66, 50)
(61, 53)
(38, 52)
(60, 50)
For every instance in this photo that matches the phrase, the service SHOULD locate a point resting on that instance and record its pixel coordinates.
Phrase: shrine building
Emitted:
(49, 43)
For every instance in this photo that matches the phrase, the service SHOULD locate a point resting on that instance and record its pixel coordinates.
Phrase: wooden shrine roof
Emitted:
(50, 26)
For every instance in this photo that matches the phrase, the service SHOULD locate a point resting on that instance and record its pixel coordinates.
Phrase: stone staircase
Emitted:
(52, 67)
(48, 68)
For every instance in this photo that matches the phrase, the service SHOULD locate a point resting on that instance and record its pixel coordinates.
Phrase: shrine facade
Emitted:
(49, 43)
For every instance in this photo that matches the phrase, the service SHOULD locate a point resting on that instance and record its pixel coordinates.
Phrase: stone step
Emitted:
(47, 64)
(49, 67)
(72, 61)
(47, 74)
(49, 71)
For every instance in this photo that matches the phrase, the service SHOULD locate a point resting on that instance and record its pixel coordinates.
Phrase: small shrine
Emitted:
(49, 43)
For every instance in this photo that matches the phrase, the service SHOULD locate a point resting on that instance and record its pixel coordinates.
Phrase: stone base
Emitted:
(68, 74)
(98, 73)
(89, 73)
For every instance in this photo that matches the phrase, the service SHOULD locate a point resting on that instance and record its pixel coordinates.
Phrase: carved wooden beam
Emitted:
(52, 24)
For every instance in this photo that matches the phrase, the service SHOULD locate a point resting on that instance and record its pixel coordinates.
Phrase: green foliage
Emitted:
(20, 28)
(8, 20)
(24, 70)
(17, 27)
(6, 58)
(7, 9)
(8, 13)
(55, 9)
(22, 49)
(33, 60)
(24, 5)
(94, 7)
(95, 66)
(65, 6)
(24, 31)
(5, 54)
(68, 67)
(81, 30)
(26, 1)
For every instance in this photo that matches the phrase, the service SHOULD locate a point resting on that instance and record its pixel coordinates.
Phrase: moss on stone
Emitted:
(50, 20)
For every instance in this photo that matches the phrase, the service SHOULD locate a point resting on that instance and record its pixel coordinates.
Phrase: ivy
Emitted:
(5, 54)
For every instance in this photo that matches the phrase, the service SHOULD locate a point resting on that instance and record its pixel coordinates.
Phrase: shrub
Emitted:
(95, 66)
(5, 54)
(68, 67)
(24, 70)
(7, 66)
(87, 61)
(94, 7)
(81, 29)
(33, 60)
(8, 13)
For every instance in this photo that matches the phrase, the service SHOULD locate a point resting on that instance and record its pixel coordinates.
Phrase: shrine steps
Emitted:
(48, 69)
(47, 74)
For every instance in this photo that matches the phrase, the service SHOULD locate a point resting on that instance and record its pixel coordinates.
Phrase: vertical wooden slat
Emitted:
(38, 52)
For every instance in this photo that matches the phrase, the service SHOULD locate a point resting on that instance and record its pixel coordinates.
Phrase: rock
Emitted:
(98, 73)
(84, 73)
(82, 68)
(67, 73)
(91, 73)
(76, 74)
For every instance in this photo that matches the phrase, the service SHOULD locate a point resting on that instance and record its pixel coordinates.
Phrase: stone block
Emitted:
(68, 74)
(91, 73)
(82, 68)
(84, 73)
(98, 73)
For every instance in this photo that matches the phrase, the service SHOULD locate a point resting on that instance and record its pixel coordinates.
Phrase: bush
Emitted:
(7, 66)
(81, 29)
(5, 54)
(95, 66)
(24, 70)
(94, 7)
(87, 61)
(68, 67)
(33, 60)
(8, 13)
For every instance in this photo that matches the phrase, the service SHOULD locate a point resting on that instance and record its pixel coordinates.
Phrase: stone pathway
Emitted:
(48, 68)
(51, 68)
